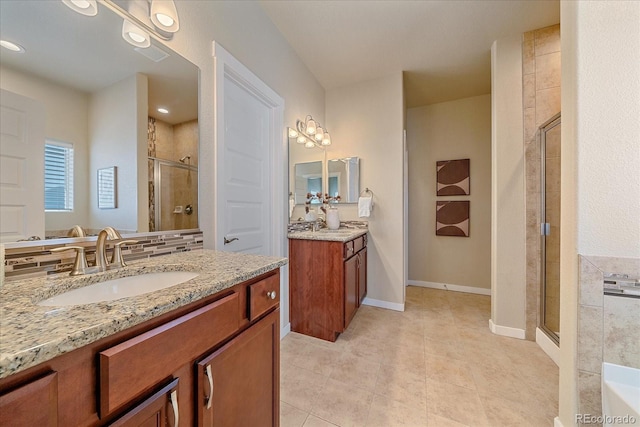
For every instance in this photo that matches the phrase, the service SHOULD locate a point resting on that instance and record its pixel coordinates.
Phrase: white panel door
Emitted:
(22, 133)
(248, 128)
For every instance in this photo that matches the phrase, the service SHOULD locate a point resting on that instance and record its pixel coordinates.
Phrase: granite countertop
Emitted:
(31, 334)
(339, 235)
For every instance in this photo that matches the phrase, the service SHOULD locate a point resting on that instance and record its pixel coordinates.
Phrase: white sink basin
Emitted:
(123, 287)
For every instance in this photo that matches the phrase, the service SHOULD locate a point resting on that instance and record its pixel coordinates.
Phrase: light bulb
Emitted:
(293, 133)
(134, 35)
(301, 139)
(327, 139)
(11, 46)
(319, 134)
(84, 7)
(309, 144)
(165, 20)
(311, 126)
(164, 15)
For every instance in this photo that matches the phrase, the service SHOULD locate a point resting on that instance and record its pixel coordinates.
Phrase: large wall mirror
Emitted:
(100, 96)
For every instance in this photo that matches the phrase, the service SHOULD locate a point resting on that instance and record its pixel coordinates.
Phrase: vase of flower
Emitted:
(333, 218)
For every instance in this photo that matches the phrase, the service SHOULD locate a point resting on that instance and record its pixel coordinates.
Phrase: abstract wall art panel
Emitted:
(452, 218)
(453, 178)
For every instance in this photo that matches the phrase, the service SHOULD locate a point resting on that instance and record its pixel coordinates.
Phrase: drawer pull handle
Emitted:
(271, 294)
(210, 378)
(174, 405)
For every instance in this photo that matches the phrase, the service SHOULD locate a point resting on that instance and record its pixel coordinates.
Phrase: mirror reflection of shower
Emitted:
(173, 165)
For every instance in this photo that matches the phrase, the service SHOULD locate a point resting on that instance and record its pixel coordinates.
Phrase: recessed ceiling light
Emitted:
(11, 46)
(163, 110)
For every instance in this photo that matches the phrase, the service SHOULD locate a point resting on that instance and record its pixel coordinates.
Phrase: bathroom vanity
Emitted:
(327, 280)
(204, 352)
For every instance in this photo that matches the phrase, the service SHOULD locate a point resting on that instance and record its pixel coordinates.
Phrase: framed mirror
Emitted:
(101, 95)
(343, 179)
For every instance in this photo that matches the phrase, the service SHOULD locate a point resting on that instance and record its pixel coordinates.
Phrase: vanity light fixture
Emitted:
(135, 35)
(164, 15)
(84, 7)
(310, 133)
(11, 46)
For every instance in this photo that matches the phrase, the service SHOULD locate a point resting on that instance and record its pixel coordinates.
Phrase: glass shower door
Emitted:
(550, 228)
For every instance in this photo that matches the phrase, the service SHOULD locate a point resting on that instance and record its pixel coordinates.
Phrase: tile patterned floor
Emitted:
(436, 364)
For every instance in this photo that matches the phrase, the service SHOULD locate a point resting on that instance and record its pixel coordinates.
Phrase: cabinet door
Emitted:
(362, 275)
(159, 410)
(33, 404)
(238, 385)
(350, 289)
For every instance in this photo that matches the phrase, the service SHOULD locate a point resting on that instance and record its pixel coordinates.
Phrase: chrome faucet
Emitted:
(76, 231)
(318, 224)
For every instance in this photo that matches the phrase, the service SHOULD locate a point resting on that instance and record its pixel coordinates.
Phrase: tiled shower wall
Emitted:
(38, 260)
(608, 327)
(541, 99)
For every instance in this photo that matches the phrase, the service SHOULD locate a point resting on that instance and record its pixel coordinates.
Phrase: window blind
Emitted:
(58, 176)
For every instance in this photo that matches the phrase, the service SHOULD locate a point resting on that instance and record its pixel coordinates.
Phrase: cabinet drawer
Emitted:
(358, 244)
(352, 247)
(132, 367)
(262, 296)
(348, 249)
(33, 404)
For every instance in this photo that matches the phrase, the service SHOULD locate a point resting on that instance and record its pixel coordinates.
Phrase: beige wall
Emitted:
(66, 120)
(600, 133)
(541, 73)
(125, 147)
(451, 130)
(366, 120)
(508, 279)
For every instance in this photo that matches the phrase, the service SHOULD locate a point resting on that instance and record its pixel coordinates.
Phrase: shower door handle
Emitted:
(545, 229)
(227, 241)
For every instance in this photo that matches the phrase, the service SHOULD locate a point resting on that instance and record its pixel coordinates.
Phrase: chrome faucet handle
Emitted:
(117, 260)
(80, 264)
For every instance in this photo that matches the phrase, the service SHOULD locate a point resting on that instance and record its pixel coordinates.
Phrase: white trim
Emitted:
(285, 331)
(506, 331)
(548, 346)
(383, 304)
(448, 287)
(557, 422)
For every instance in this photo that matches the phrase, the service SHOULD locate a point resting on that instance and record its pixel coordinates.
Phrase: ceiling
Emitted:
(443, 47)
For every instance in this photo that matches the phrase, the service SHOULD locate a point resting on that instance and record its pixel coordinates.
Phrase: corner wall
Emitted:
(600, 134)
(450, 130)
(508, 266)
(366, 120)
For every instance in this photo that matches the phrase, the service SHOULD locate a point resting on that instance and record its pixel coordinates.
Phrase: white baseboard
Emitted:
(383, 304)
(506, 331)
(285, 331)
(557, 422)
(548, 346)
(448, 287)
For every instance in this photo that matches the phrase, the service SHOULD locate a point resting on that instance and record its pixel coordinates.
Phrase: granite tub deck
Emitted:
(339, 235)
(31, 334)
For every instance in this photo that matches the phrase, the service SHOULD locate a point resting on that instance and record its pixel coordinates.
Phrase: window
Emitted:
(58, 176)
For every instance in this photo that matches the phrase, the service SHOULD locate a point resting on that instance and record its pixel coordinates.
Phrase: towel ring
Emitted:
(366, 191)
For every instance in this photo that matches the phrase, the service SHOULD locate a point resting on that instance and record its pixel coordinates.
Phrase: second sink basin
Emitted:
(123, 287)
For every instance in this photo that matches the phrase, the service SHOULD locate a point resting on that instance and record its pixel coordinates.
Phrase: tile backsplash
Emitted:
(37, 260)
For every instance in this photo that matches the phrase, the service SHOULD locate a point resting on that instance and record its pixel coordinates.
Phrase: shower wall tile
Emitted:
(591, 283)
(622, 331)
(547, 71)
(529, 90)
(547, 40)
(589, 395)
(547, 104)
(530, 126)
(590, 339)
(630, 266)
(528, 57)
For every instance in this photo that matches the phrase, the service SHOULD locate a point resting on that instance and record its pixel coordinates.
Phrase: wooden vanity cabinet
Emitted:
(149, 375)
(327, 283)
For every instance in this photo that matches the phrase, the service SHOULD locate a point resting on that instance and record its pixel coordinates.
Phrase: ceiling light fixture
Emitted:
(11, 46)
(310, 133)
(135, 35)
(84, 7)
(164, 15)
(163, 110)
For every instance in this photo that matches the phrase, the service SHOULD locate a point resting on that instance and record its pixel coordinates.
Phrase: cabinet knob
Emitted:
(271, 294)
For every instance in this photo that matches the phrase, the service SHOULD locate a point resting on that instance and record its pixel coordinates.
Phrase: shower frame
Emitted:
(545, 226)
